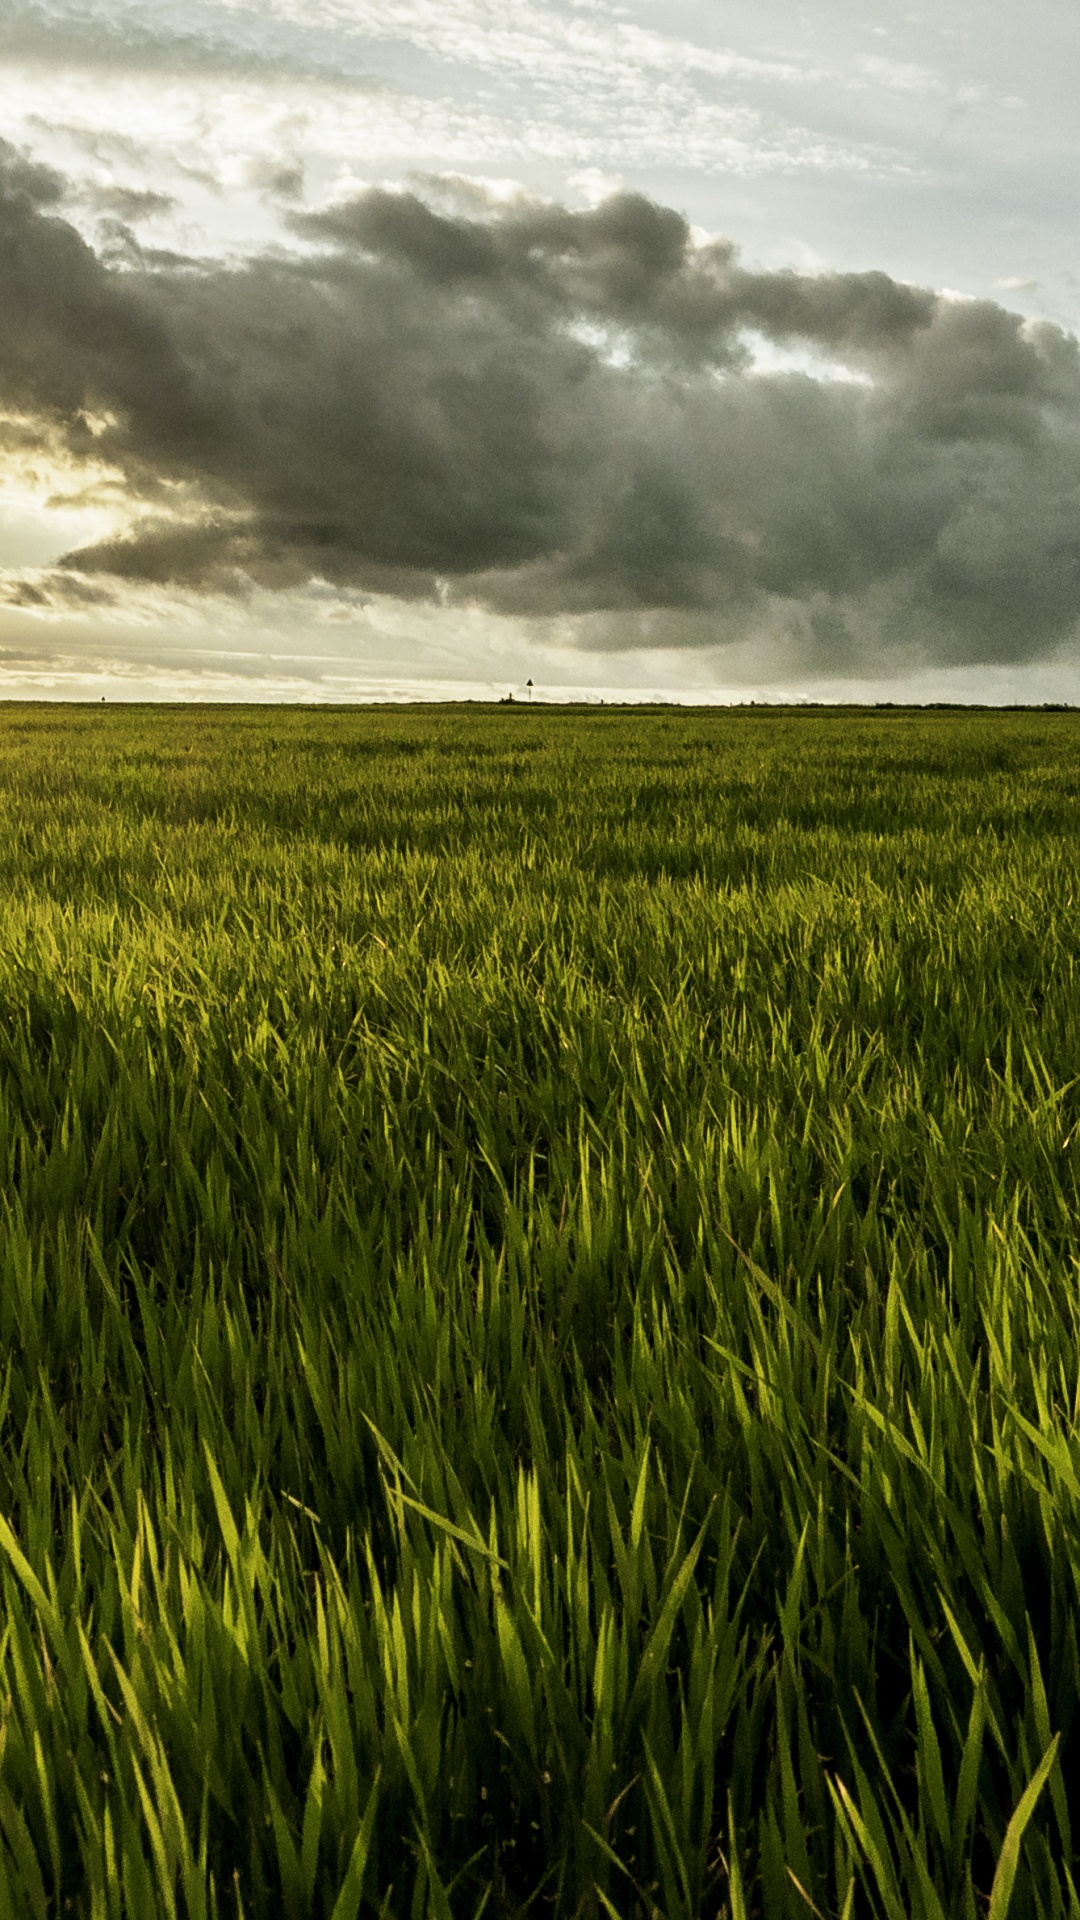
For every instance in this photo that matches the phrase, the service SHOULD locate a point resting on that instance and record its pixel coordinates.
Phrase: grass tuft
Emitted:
(539, 1320)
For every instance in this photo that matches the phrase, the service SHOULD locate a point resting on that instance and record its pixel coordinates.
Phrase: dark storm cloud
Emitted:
(551, 413)
(628, 262)
(73, 335)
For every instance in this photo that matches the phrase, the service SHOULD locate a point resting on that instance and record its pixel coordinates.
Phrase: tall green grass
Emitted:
(539, 1314)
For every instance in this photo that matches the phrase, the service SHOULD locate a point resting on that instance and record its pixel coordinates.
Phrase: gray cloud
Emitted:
(130, 203)
(555, 414)
(203, 38)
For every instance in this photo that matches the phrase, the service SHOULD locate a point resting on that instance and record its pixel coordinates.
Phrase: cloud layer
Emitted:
(560, 415)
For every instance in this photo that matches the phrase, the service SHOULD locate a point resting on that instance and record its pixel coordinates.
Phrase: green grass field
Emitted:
(539, 1314)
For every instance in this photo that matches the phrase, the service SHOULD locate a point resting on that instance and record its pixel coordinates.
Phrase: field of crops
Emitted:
(539, 1314)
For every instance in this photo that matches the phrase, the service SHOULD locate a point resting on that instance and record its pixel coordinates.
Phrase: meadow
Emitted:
(539, 1314)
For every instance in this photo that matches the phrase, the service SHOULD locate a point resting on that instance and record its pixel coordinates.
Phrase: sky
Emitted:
(421, 349)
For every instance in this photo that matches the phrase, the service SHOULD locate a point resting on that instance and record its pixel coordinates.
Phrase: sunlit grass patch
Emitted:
(539, 1313)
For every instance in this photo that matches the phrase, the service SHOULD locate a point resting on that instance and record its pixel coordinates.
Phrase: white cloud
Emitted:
(768, 357)
(212, 146)
(536, 88)
(901, 76)
(538, 40)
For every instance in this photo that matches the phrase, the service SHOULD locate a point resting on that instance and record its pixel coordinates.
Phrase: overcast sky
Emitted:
(421, 347)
